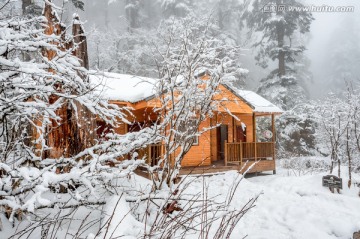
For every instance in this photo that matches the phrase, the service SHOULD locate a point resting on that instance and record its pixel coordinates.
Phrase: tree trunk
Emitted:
(348, 151)
(132, 14)
(220, 16)
(81, 51)
(75, 131)
(281, 55)
(25, 4)
(280, 29)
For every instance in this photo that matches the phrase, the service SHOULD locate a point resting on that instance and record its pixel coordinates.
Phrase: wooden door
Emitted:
(222, 136)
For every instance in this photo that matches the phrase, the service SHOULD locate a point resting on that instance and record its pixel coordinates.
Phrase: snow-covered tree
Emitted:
(128, 53)
(274, 26)
(191, 64)
(338, 132)
(50, 160)
(279, 32)
(171, 8)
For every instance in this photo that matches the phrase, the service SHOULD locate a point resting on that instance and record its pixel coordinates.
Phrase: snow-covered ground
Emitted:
(292, 204)
(299, 207)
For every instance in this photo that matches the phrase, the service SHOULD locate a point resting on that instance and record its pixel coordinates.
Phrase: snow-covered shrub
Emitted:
(306, 165)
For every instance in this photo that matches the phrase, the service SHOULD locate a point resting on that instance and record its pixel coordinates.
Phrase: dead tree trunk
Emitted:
(75, 131)
(79, 39)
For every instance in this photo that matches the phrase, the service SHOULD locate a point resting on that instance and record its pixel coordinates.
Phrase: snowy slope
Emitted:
(291, 206)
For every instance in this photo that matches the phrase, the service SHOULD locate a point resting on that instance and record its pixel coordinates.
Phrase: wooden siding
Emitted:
(200, 154)
(229, 101)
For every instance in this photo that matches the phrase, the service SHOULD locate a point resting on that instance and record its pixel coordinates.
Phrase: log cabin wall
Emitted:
(200, 154)
(248, 121)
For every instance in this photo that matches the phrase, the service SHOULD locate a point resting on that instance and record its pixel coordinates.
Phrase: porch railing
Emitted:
(239, 152)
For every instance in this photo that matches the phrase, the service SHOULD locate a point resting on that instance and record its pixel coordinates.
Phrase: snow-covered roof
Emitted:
(257, 102)
(133, 89)
(123, 87)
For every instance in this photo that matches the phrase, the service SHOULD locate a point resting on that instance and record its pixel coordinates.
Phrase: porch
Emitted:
(245, 154)
(237, 156)
(233, 145)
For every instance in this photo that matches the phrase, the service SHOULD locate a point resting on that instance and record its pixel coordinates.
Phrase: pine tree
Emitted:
(280, 36)
(275, 29)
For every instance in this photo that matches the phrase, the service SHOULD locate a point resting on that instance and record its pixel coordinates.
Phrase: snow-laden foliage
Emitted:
(129, 53)
(296, 131)
(338, 135)
(39, 78)
(278, 36)
(191, 65)
(305, 165)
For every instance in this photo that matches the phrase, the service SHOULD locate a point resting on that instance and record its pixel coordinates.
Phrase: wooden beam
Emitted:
(233, 129)
(241, 153)
(254, 136)
(273, 133)
(273, 139)
(225, 153)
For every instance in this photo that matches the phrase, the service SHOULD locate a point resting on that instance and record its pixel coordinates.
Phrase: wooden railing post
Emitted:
(225, 153)
(241, 153)
(149, 155)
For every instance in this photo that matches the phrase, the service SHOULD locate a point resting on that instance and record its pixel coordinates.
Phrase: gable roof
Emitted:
(129, 88)
(258, 103)
(122, 87)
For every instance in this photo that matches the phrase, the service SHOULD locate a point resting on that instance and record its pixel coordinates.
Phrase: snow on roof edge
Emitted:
(258, 103)
(133, 89)
(124, 87)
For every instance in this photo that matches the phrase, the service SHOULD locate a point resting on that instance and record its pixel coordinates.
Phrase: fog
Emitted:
(333, 44)
(329, 31)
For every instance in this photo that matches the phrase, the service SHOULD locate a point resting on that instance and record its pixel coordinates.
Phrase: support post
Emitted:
(225, 153)
(255, 139)
(273, 134)
(241, 153)
(233, 130)
(273, 139)
(149, 155)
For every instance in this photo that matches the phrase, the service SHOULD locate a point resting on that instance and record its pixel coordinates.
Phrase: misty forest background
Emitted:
(318, 54)
(322, 54)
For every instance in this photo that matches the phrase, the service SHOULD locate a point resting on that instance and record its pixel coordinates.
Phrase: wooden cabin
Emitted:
(237, 140)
